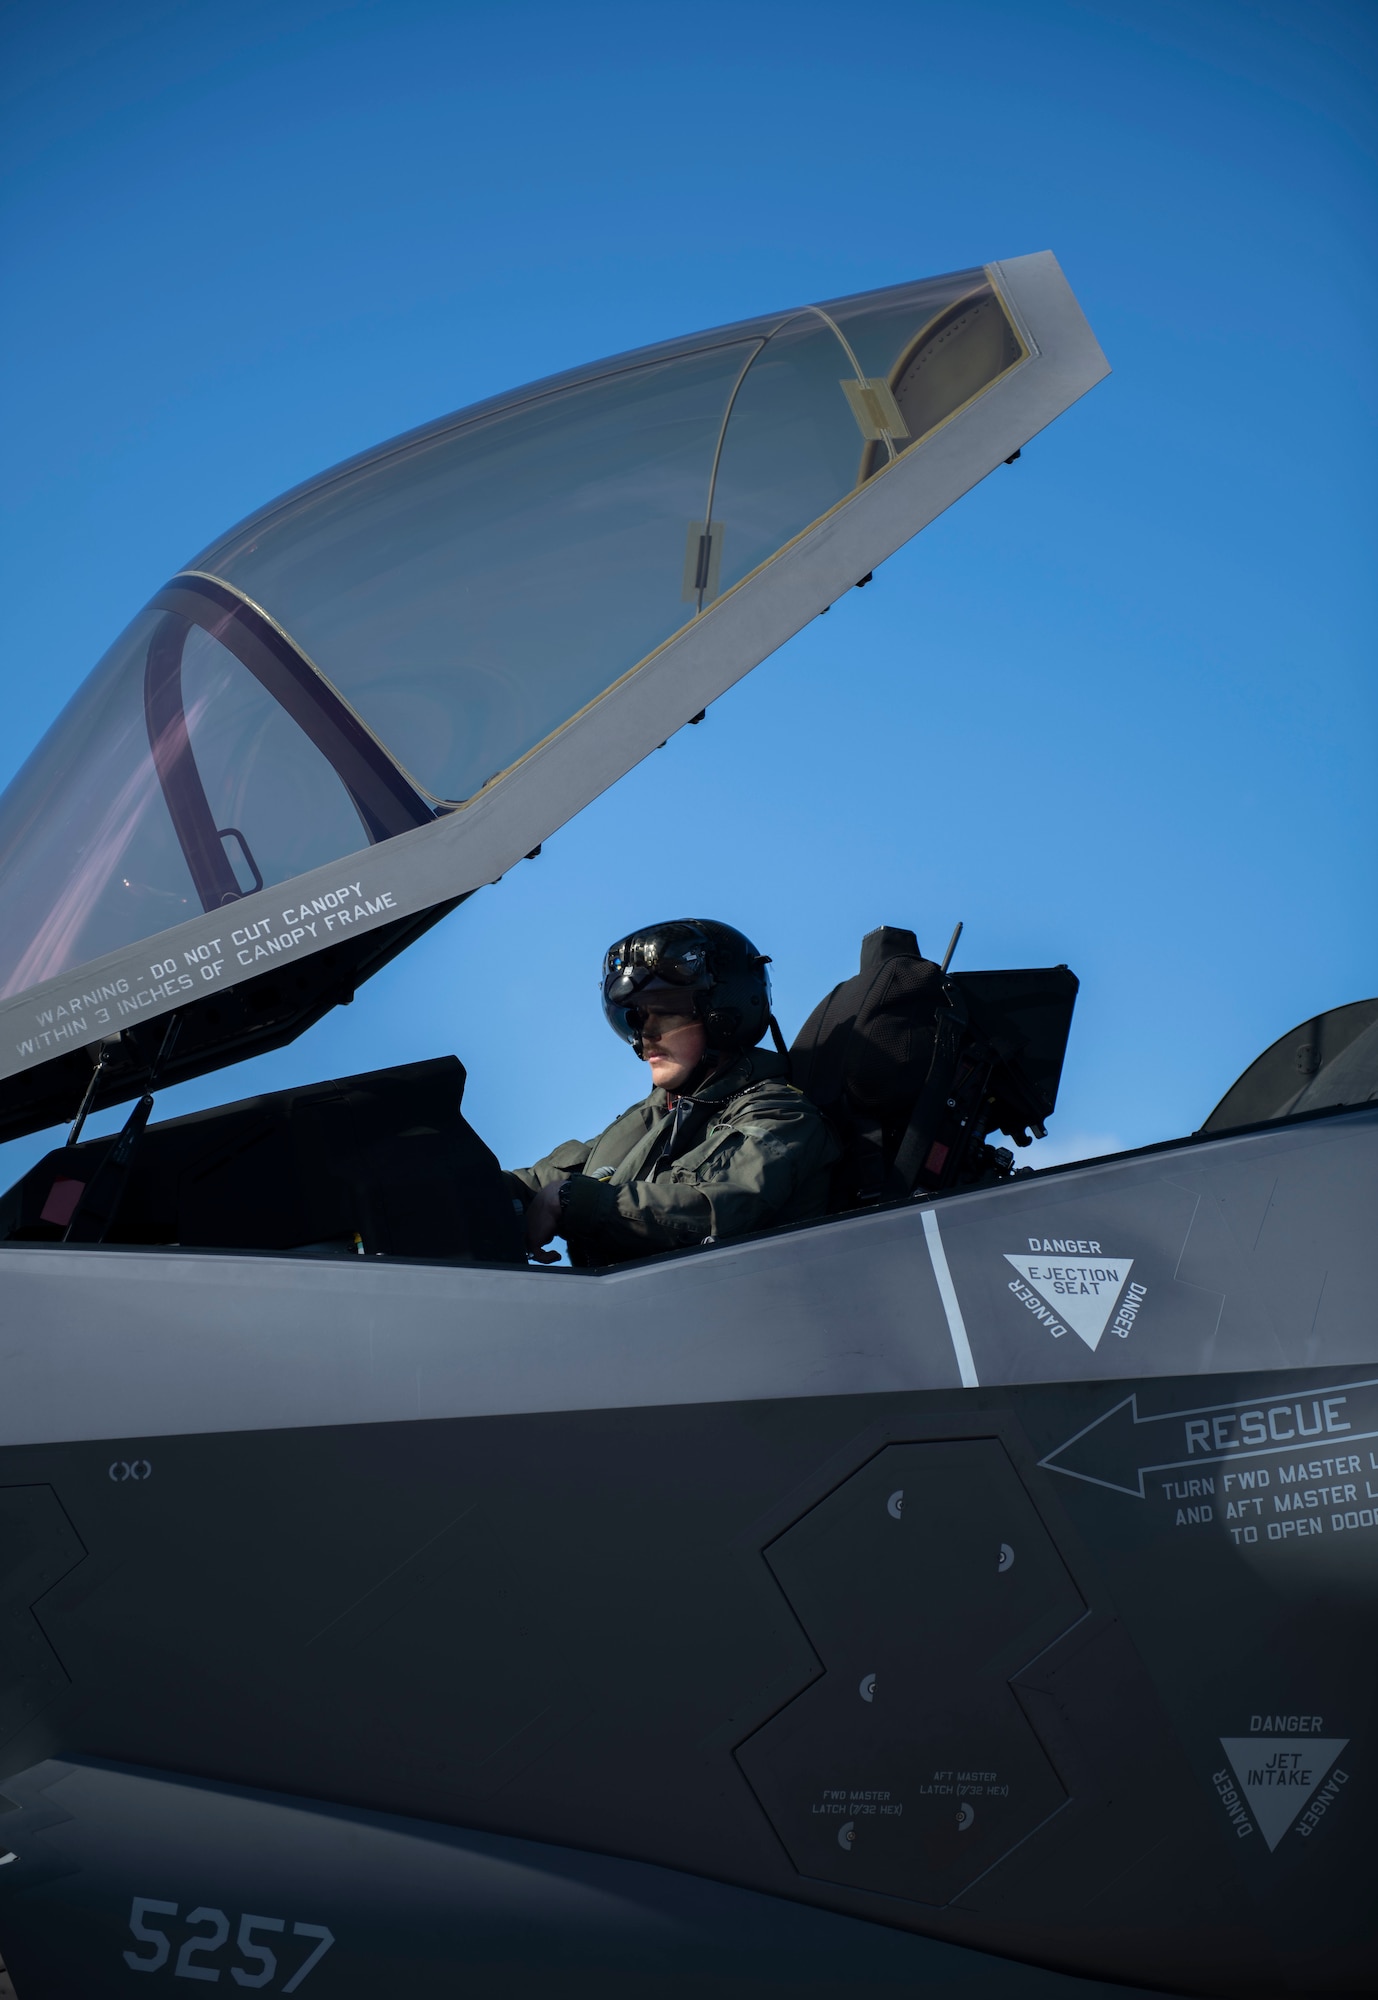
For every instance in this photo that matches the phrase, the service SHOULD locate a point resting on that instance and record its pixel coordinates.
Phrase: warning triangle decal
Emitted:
(1082, 1291)
(1278, 1774)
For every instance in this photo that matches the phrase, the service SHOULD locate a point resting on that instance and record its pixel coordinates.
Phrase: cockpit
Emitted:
(371, 652)
(387, 686)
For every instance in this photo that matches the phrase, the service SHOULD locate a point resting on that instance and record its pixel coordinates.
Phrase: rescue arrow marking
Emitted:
(1218, 1433)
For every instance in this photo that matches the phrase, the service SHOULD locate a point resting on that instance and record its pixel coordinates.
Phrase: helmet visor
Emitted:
(646, 1009)
(679, 959)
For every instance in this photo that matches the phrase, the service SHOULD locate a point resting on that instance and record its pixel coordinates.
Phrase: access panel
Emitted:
(924, 1583)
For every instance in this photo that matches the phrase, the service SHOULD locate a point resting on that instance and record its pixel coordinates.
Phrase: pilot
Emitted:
(724, 1144)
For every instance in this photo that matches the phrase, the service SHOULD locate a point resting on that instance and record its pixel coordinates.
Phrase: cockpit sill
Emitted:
(336, 1255)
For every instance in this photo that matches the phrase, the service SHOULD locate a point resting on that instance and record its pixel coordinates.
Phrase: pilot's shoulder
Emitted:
(774, 1097)
(642, 1114)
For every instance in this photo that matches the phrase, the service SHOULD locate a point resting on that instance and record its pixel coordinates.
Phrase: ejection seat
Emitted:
(916, 1067)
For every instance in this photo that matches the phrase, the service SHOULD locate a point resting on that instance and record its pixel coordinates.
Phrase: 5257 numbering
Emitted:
(256, 1942)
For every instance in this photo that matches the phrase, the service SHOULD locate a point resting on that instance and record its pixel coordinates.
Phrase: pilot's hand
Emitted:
(543, 1222)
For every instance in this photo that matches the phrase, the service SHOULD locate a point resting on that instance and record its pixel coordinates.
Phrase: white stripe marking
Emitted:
(956, 1326)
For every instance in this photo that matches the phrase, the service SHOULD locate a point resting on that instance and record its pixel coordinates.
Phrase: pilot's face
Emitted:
(673, 1045)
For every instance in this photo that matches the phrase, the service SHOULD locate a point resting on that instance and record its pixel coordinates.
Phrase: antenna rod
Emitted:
(951, 947)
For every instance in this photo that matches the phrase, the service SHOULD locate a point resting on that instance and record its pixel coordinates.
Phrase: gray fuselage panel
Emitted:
(997, 1569)
(1239, 1253)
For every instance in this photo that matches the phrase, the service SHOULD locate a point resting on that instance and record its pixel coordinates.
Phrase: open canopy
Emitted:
(384, 688)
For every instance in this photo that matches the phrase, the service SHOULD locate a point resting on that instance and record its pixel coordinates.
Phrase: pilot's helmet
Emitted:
(694, 966)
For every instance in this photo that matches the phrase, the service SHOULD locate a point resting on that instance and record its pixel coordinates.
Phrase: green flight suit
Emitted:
(757, 1152)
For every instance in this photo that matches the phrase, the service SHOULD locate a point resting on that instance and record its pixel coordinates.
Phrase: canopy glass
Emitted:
(376, 647)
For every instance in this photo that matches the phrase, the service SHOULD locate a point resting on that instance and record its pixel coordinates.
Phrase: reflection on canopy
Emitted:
(380, 644)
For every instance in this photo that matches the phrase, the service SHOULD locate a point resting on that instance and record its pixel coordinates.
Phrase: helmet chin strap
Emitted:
(708, 1068)
(713, 1062)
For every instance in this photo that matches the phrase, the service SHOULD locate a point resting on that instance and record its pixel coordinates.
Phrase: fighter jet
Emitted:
(972, 1590)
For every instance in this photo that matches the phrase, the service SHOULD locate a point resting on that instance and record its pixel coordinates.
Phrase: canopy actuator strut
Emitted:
(100, 1200)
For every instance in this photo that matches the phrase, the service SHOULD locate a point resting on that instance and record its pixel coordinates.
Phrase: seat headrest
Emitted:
(886, 942)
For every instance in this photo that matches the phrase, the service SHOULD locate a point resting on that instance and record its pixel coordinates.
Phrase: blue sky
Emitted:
(1116, 708)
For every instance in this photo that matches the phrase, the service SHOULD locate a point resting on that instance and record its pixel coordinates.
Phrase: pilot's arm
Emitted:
(574, 1156)
(761, 1163)
(571, 1158)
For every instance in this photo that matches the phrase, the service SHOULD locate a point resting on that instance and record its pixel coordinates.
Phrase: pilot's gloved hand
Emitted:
(544, 1220)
